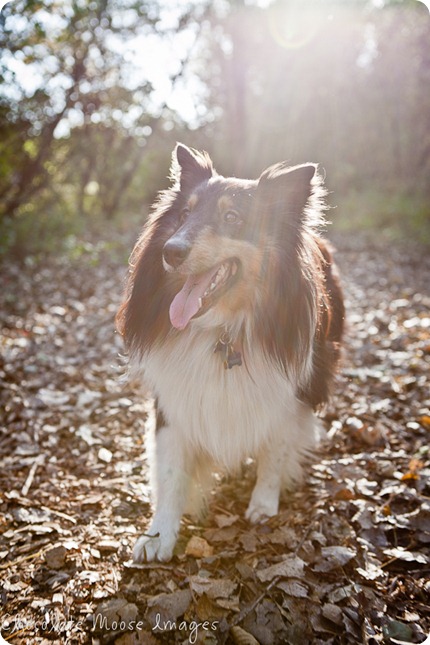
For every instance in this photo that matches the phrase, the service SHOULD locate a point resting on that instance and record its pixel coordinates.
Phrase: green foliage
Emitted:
(36, 234)
(57, 233)
(394, 214)
(346, 84)
(81, 250)
(64, 72)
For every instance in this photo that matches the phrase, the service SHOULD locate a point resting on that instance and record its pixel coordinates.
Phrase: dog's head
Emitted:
(224, 233)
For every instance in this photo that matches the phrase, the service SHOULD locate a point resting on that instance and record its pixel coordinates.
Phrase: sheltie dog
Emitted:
(233, 315)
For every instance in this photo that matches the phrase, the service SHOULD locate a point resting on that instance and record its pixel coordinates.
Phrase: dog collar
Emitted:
(229, 357)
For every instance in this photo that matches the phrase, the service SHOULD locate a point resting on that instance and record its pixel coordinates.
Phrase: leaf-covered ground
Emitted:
(346, 561)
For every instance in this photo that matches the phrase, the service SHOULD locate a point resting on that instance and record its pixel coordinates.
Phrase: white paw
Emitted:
(259, 510)
(160, 547)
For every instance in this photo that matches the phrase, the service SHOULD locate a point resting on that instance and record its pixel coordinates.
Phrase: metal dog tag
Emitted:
(229, 356)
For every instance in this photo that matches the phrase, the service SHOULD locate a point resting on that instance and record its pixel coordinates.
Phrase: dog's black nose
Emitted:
(175, 252)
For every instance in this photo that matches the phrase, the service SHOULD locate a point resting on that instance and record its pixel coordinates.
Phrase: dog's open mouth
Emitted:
(201, 291)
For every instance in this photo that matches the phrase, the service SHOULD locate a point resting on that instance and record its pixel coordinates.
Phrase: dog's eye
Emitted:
(231, 217)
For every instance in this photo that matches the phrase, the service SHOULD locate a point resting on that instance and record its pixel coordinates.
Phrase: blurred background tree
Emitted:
(94, 94)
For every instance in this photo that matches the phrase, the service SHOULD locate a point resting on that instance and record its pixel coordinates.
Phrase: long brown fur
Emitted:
(293, 270)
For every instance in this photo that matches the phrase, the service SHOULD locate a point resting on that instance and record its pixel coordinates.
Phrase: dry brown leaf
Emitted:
(291, 567)
(425, 420)
(294, 588)
(213, 588)
(56, 557)
(111, 612)
(208, 609)
(333, 557)
(197, 547)
(223, 520)
(226, 534)
(167, 607)
(242, 637)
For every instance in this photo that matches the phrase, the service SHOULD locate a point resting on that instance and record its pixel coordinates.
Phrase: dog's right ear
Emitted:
(190, 167)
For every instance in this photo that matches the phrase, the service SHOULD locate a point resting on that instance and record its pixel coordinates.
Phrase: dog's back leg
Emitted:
(280, 460)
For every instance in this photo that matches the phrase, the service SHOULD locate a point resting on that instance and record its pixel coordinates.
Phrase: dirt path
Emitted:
(346, 561)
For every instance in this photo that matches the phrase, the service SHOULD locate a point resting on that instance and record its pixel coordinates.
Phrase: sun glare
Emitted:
(292, 26)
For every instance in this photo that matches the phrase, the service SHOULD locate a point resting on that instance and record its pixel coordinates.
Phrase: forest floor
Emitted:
(346, 561)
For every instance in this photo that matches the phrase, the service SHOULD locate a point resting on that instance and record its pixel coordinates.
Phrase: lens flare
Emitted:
(293, 25)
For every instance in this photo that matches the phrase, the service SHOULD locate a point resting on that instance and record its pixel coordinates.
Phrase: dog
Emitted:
(233, 316)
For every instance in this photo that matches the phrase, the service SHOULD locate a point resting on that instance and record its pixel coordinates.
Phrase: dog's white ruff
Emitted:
(216, 418)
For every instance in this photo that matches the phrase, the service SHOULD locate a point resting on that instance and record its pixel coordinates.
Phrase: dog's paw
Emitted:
(259, 511)
(148, 548)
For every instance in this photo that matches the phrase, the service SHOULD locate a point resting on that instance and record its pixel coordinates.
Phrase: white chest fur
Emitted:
(227, 414)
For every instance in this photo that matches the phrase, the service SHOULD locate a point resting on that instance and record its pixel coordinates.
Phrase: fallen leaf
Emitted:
(139, 637)
(225, 520)
(333, 613)
(226, 534)
(53, 398)
(291, 567)
(167, 606)
(105, 455)
(111, 612)
(425, 421)
(213, 588)
(197, 547)
(396, 631)
(242, 637)
(400, 553)
(56, 557)
(333, 557)
(294, 588)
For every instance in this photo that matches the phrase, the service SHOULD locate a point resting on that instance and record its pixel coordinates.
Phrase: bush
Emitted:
(396, 215)
(31, 234)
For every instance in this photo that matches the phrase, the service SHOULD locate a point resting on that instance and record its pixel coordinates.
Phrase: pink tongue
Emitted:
(186, 303)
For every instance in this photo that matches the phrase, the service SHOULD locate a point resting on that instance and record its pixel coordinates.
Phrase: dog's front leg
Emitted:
(264, 501)
(171, 482)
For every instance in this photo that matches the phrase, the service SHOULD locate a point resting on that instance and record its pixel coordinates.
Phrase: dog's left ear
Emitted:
(191, 167)
(286, 190)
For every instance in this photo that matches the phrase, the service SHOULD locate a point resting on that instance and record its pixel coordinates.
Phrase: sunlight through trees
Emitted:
(94, 93)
